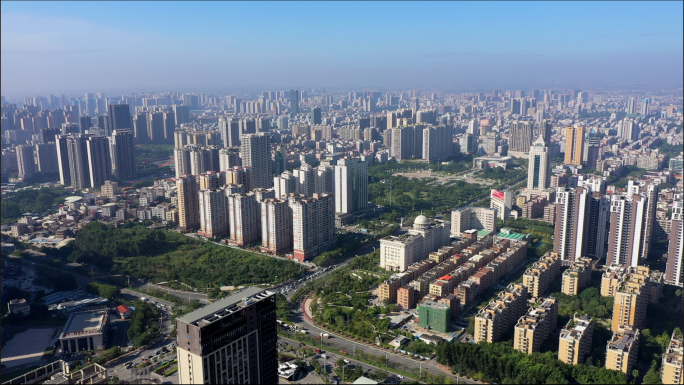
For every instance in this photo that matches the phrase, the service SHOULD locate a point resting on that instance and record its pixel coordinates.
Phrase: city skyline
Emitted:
(190, 46)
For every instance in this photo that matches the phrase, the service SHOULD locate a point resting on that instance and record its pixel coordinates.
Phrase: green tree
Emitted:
(653, 374)
(358, 371)
(300, 363)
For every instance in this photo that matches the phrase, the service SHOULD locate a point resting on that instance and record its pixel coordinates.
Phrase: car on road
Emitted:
(346, 361)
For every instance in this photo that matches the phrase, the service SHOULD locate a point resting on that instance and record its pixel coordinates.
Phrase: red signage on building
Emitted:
(497, 194)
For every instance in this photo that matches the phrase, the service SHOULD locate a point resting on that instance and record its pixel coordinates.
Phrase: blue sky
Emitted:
(158, 46)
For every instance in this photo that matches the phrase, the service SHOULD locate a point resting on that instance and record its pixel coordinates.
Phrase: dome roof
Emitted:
(421, 220)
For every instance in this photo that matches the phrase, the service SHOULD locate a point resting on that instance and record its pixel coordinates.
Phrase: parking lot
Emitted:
(28, 346)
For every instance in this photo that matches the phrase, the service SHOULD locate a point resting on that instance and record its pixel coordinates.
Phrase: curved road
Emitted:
(341, 343)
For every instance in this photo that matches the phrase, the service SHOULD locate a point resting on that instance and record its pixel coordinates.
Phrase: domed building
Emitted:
(399, 252)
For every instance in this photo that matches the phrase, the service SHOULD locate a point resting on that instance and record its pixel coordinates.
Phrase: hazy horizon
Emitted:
(75, 47)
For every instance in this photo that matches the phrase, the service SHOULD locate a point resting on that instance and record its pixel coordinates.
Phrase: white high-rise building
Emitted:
(573, 209)
(313, 225)
(469, 218)
(306, 179)
(244, 225)
(628, 129)
(351, 185)
(276, 225)
(473, 127)
(437, 142)
(229, 158)
(63, 159)
(644, 106)
(213, 208)
(325, 180)
(631, 106)
(230, 132)
(256, 153)
(284, 185)
(674, 272)
(538, 170)
(78, 160)
(181, 156)
(631, 224)
(502, 202)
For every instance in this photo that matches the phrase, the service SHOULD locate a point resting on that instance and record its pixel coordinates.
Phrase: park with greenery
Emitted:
(144, 327)
(509, 176)
(410, 197)
(161, 255)
(541, 234)
(36, 201)
(429, 195)
(349, 242)
(500, 363)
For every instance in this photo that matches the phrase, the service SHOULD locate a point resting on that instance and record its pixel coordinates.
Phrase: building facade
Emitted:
(479, 218)
(213, 208)
(534, 327)
(622, 350)
(231, 341)
(313, 225)
(575, 340)
(188, 202)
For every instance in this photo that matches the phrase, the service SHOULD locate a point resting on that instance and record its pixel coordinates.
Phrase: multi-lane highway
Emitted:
(332, 356)
(119, 368)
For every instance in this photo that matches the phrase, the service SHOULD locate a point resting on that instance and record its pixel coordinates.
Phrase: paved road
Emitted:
(329, 363)
(407, 364)
(117, 367)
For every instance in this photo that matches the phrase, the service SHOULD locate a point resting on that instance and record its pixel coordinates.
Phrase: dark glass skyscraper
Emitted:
(315, 116)
(120, 116)
(123, 154)
(294, 103)
(231, 341)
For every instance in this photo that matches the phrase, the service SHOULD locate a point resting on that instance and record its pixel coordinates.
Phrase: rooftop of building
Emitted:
(675, 350)
(403, 238)
(494, 157)
(622, 340)
(575, 327)
(434, 305)
(225, 306)
(515, 236)
(84, 322)
(482, 233)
